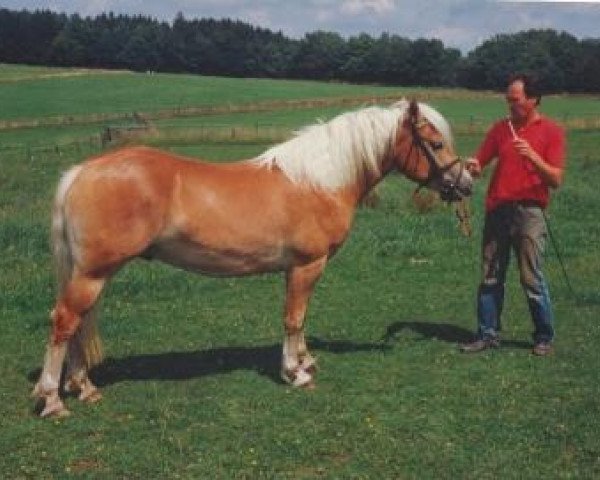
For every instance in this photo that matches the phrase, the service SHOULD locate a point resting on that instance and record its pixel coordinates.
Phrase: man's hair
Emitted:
(530, 85)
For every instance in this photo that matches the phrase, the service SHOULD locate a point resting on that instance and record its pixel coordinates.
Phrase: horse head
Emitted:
(424, 152)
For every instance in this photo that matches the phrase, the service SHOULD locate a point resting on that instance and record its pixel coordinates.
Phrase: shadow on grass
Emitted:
(445, 332)
(264, 360)
(440, 331)
(187, 365)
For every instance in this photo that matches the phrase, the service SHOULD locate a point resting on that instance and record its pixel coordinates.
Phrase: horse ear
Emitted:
(413, 110)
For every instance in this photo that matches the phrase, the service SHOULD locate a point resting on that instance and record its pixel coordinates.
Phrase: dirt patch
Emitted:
(78, 72)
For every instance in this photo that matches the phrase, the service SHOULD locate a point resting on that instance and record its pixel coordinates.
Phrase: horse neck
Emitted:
(407, 158)
(370, 179)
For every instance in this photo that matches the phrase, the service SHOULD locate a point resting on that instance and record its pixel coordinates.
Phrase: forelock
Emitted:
(438, 121)
(432, 116)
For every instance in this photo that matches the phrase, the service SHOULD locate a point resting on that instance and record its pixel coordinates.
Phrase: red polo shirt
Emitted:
(515, 178)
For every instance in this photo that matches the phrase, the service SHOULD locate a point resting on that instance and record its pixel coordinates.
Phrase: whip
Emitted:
(512, 129)
(558, 255)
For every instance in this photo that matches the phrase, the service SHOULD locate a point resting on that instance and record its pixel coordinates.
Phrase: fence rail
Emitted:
(182, 134)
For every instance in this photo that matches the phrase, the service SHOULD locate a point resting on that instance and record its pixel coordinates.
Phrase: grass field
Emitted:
(190, 382)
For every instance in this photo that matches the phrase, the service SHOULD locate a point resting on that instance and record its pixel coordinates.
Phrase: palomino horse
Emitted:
(288, 210)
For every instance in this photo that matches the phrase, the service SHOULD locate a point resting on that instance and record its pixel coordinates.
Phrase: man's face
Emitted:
(519, 105)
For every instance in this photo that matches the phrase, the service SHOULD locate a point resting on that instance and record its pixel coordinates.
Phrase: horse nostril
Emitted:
(466, 191)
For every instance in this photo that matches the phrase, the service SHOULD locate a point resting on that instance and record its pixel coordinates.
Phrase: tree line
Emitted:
(234, 48)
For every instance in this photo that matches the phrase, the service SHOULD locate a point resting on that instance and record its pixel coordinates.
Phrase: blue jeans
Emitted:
(520, 226)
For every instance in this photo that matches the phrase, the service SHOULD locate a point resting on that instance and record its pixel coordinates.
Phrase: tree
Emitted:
(71, 46)
(320, 56)
(233, 48)
(432, 64)
(141, 52)
(27, 37)
(550, 55)
(360, 61)
(587, 69)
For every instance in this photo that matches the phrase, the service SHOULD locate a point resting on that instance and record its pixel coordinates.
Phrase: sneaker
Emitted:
(543, 349)
(479, 345)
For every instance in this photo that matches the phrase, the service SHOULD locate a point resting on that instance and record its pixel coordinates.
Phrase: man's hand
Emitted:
(522, 146)
(473, 167)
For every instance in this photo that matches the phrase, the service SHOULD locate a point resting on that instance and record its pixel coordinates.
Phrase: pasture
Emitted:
(191, 376)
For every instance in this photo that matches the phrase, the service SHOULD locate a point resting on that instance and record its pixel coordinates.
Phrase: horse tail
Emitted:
(61, 246)
(87, 335)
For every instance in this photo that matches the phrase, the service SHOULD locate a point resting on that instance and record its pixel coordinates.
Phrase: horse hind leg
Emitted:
(78, 298)
(46, 389)
(84, 351)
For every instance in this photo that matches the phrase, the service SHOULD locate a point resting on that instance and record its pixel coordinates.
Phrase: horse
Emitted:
(287, 210)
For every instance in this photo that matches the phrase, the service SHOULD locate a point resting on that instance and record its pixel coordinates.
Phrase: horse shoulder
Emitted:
(320, 223)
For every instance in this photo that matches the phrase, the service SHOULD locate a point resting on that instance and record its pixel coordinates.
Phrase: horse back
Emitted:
(233, 218)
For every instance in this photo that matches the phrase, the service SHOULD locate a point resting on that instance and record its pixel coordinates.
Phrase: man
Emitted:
(530, 152)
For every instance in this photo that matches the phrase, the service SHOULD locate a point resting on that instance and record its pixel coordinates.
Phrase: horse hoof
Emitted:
(92, 397)
(309, 386)
(70, 386)
(37, 392)
(55, 411)
(297, 377)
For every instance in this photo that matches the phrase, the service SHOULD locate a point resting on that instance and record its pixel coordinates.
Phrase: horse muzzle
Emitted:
(455, 189)
(449, 192)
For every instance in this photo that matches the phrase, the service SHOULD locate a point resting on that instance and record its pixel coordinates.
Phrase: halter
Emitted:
(449, 190)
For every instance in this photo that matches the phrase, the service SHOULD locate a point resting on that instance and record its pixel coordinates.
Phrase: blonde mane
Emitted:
(340, 152)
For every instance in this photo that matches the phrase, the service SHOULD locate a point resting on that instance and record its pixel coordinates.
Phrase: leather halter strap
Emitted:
(436, 169)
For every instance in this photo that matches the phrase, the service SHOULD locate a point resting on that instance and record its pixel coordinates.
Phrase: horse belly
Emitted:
(219, 261)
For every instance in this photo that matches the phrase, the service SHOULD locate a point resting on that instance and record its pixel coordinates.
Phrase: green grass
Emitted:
(125, 92)
(190, 381)
(67, 95)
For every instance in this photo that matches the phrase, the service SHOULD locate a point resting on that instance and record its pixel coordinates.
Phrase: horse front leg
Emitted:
(307, 361)
(298, 366)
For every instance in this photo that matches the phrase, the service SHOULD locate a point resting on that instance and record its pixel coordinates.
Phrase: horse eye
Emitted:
(436, 145)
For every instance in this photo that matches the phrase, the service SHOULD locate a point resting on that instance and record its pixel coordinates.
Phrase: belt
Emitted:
(521, 203)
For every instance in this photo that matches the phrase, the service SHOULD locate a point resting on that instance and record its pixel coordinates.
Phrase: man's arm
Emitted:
(487, 150)
(551, 175)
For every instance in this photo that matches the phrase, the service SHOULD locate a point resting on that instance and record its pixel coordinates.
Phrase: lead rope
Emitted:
(558, 255)
(462, 209)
